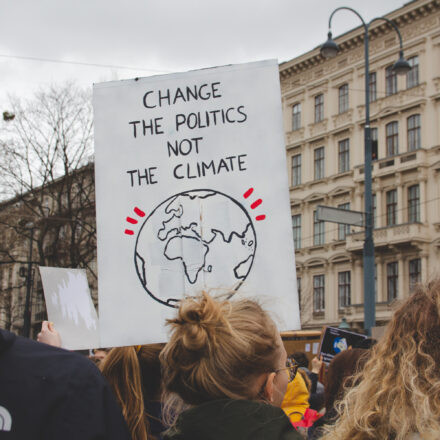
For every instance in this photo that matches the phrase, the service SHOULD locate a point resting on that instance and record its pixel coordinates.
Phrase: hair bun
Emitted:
(199, 319)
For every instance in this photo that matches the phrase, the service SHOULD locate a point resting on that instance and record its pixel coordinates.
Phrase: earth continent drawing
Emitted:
(195, 240)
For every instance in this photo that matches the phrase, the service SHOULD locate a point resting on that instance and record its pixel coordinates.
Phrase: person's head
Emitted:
(300, 358)
(400, 388)
(100, 353)
(134, 374)
(341, 369)
(227, 349)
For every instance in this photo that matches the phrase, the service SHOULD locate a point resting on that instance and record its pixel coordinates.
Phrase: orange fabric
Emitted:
(296, 400)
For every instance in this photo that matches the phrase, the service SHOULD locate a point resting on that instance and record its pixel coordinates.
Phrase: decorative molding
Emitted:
(295, 136)
(318, 128)
(343, 118)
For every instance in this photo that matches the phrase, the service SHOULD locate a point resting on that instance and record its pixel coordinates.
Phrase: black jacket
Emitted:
(233, 420)
(52, 394)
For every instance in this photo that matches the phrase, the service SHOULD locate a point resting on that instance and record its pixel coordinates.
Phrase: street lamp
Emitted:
(329, 50)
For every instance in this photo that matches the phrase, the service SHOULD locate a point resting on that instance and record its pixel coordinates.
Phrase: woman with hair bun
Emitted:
(398, 396)
(224, 373)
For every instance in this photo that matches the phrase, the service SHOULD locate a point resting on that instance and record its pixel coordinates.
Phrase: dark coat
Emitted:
(233, 420)
(47, 393)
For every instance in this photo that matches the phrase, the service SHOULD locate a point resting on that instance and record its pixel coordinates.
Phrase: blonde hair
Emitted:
(399, 388)
(216, 351)
(133, 372)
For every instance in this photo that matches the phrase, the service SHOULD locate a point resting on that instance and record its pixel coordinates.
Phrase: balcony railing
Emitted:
(403, 234)
(392, 164)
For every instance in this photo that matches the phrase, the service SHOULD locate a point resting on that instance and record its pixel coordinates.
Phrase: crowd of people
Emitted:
(225, 374)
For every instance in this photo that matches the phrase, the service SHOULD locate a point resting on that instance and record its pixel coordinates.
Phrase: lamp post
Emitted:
(27, 305)
(329, 50)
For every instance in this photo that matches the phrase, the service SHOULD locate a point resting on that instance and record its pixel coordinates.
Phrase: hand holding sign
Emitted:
(49, 335)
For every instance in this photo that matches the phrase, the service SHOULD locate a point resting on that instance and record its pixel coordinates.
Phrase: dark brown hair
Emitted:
(135, 376)
(342, 367)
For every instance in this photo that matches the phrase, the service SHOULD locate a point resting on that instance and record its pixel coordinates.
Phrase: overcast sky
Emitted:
(159, 36)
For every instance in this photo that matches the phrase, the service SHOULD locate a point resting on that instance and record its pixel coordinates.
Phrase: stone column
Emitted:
(402, 281)
(423, 199)
(401, 211)
(331, 293)
(357, 282)
(380, 276)
(424, 265)
(380, 209)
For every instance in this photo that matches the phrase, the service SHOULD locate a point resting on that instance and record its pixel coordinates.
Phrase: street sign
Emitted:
(338, 215)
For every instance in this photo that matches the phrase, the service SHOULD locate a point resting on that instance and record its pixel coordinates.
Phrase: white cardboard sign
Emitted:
(70, 307)
(191, 195)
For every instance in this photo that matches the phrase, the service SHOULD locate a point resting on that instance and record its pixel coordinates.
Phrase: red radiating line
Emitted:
(139, 212)
(248, 193)
(133, 221)
(260, 217)
(256, 203)
(129, 232)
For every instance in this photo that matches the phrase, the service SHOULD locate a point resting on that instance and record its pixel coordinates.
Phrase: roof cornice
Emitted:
(354, 38)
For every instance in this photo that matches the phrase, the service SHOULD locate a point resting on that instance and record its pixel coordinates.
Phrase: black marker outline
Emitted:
(187, 193)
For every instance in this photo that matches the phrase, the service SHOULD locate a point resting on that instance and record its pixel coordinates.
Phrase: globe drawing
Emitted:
(193, 241)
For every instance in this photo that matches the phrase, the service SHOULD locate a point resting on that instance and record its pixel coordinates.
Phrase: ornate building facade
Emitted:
(324, 117)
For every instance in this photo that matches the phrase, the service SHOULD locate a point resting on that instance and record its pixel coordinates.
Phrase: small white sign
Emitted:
(70, 307)
(192, 194)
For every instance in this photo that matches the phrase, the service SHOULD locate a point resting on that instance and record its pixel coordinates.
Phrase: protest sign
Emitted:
(70, 307)
(335, 340)
(191, 195)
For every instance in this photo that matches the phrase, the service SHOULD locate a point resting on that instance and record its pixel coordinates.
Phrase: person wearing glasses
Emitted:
(225, 373)
(296, 399)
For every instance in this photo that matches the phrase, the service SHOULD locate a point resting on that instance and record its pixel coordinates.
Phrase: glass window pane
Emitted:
(412, 77)
(413, 123)
(296, 170)
(296, 117)
(392, 280)
(296, 226)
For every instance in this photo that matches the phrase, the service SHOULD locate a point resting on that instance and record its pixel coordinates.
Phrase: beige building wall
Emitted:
(405, 181)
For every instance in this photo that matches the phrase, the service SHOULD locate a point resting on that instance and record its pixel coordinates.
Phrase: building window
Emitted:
(318, 293)
(318, 231)
(392, 207)
(343, 230)
(343, 98)
(413, 204)
(296, 170)
(319, 163)
(296, 226)
(392, 280)
(298, 288)
(412, 77)
(344, 155)
(374, 211)
(413, 132)
(392, 132)
(373, 86)
(296, 117)
(319, 108)
(344, 289)
(390, 81)
(375, 282)
(374, 144)
(415, 272)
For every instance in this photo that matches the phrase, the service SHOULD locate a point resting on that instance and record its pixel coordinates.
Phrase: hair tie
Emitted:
(137, 348)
